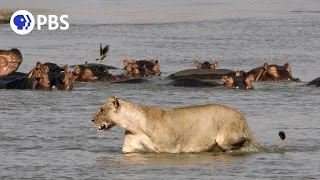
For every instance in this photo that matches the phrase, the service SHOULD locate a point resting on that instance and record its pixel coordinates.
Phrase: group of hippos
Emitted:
(50, 76)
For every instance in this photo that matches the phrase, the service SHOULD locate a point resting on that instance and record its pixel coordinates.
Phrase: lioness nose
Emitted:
(92, 120)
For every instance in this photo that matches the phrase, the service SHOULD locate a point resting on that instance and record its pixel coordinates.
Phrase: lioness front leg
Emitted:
(137, 143)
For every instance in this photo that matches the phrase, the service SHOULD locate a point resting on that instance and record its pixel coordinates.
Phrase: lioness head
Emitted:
(103, 118)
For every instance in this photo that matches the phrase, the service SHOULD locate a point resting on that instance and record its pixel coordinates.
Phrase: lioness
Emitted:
(199, 128)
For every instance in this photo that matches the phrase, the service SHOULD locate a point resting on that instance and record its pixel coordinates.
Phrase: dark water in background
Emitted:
(49, 135)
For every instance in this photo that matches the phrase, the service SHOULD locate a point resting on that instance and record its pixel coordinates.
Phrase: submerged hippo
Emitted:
(9, 61)
(62, 81)
(193, 83)
(273, 73)
(60, 78)
(142, 68)
(315, 82)
(88, 75)
(238, 82)
(133, 81)
(39, 83)
(202, 74)
(95, 67)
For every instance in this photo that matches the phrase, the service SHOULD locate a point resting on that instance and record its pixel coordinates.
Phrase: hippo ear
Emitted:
(197, 64)
(273, 72)
(38, 64)
(125, 62)
(287, 67)
(65, 68)
(154, 61)
(265, 65)
(214, 65)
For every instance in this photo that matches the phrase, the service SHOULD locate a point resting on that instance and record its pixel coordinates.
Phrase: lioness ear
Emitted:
(114, 101)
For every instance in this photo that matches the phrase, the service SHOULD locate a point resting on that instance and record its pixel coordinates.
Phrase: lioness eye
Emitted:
(101, 108)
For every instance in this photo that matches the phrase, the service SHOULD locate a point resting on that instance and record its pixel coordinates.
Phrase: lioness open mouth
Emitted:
(103, 127)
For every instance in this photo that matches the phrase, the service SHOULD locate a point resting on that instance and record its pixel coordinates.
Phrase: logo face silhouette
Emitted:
(22, 22)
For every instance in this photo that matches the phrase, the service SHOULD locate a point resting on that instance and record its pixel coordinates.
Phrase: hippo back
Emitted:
(315, 82)
(202, 74)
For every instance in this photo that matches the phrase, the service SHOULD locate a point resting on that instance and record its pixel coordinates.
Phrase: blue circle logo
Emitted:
(22, 22)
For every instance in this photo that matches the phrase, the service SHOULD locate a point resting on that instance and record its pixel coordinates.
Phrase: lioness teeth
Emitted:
(101, 127)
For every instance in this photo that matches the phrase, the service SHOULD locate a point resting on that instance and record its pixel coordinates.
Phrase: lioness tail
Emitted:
(257, 145)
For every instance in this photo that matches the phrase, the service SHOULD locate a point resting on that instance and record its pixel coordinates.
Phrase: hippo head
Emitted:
(156, 66)
(37, 74)
(38, 65)
(75, 74)
(129, 66)
(43, 81)
(9, 61)
(136, 71)
(76, 70)
(67, 78)
(249, 80)
(87, 76)
(45, 68)
(206, 65)
(227, 81)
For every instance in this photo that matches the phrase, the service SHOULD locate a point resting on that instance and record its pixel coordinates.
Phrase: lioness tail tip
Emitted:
(282, 135)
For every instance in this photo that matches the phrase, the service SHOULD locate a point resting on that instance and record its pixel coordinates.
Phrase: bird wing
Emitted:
(105, 50)
(101, 52)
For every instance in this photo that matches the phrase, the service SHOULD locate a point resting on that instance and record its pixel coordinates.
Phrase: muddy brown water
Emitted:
(49, 135)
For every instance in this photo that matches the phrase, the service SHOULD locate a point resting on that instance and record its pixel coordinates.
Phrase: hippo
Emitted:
(95, 67)
(89, 75)
(92, 72)
(202, 74)
(238, 82)
(39, 83)
(61, 81)
(273, 73)
(39, 67)
(10, 61)
(206, 65)
(58, 80)
(53, 67)
(85, 75)
(315, 82)
(193, 83)
(142, 68)
(133, 81)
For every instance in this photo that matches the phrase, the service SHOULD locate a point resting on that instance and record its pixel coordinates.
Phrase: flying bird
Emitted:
(103, 52)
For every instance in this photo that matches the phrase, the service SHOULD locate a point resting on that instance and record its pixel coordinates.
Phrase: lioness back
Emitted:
(211, 112)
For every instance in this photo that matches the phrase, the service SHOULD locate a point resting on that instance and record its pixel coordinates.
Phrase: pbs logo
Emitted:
(22, 22)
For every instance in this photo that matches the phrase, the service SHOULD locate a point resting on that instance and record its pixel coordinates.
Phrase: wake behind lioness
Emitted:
(200, 128)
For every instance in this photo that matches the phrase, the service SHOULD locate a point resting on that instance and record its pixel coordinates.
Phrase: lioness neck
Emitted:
(128, 115)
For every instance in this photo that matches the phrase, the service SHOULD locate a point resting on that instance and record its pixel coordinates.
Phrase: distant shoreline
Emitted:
(5, 16)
